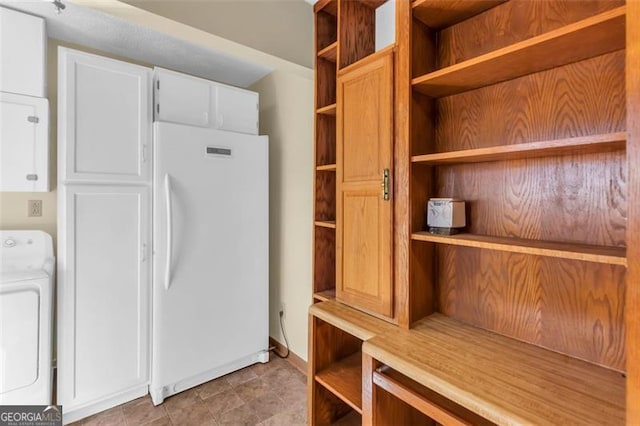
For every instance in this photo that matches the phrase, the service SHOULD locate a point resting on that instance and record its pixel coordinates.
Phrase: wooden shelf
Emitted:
(350, 320)
(439, 14)
(344, 380)
(351, 419)
(327, 110)
(579, 145)
(587, 253)
(326, 168)
(323, 296)
(326, 223)
(504, 380)
(330, 52)
(584, 39)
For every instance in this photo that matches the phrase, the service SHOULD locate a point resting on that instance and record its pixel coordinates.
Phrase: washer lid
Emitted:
(7, 277)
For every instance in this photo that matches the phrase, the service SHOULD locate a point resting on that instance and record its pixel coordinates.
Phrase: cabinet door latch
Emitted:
(385, 184)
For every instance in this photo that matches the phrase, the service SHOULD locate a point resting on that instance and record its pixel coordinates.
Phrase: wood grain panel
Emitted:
(364, 276)
(325, 83)
(510, 23)
(325, 139)
(344, 378)
(549, 199)
(402, 169)
(324, 259)
(357, 32)
(633, 226)
(326, 30)
(572, 307)
(325, 195)
(423, 48)
(575, 100)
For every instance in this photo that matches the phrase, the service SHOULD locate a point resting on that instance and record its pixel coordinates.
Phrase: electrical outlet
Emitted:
(282, 309)
(35, 208)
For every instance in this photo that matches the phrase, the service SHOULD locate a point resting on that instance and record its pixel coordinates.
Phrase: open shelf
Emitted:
(344, 380)
(325, 295)
(330, 52)
(579, 145)
(581, 40)
(327, 110)
(350, 320)
(587, 253)
(438, 14)
(326, 168)
(351, 419)
(326, 223)
(503, 379)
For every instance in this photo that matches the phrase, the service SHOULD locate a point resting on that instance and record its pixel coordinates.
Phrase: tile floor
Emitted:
(271, 394)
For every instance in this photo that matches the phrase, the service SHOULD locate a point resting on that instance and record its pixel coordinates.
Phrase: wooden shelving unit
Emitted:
(499, 377)
(581, 40)
(344, 379)
(528, 111)
(586, 253)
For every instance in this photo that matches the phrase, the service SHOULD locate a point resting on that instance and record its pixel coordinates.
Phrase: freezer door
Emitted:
(211, 250)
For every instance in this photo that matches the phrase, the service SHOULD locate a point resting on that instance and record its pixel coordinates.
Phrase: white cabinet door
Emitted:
(236, 110)
(103, 293)
(182, 99)
(23, 41)
(24, 143)
(104, 115)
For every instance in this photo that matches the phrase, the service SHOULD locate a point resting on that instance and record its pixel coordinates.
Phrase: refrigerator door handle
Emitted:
(167, 270)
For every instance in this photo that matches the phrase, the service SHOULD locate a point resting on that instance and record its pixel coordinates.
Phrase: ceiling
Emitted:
(283, 28)
(95, 29)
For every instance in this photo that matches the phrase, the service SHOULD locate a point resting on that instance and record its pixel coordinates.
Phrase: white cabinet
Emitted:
(236, 110)
(104, 232)
(104, 111)
(24, 143)
(22, 53)
(103, 295)
(184, 99)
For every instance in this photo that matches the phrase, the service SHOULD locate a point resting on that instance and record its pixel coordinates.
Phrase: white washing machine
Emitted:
(26, 316)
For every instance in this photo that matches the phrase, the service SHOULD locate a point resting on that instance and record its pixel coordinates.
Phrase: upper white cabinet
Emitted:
(184, 99)
(104, 109)
(22, 53)
(24, 143)
(236, 110)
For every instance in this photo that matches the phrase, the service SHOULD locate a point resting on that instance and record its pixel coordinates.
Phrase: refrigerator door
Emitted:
(210, 288)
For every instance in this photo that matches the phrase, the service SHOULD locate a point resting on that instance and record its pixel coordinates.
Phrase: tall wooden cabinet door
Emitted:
(103, 294)
(363, 210)
(105, 120)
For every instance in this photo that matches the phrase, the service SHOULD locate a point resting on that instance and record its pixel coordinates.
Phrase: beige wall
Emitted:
(280, 27)
(286, 115)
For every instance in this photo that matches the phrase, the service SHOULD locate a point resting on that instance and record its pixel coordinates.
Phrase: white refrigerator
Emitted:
(210, 239)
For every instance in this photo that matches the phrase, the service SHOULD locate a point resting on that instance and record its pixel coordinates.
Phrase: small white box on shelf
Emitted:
(445, 213)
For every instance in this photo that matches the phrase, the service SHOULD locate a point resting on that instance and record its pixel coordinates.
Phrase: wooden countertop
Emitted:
(502, 379)
(354, 322)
